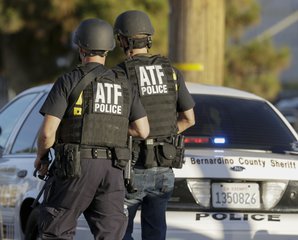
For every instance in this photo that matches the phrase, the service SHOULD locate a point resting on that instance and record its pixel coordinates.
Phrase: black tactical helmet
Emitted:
(132, 23)
(94, 35)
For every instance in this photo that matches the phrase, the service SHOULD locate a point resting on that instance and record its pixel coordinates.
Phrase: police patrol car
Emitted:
(239, 179)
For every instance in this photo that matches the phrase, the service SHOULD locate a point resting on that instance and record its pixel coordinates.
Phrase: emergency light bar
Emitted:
(219, 140)
(198, 140)
(202, 140)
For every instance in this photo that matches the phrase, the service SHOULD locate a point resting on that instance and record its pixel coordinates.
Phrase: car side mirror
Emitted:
(295, 146)
(1, 148)
(1, 151)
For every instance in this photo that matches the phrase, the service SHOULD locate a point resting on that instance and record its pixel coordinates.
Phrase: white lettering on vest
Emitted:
(108, 98)
(152, 80)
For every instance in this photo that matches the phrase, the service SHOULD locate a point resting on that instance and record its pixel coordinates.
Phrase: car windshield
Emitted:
(231, 122)
(10, 115)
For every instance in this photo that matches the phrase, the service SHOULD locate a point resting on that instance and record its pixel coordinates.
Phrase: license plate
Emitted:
(236, 195)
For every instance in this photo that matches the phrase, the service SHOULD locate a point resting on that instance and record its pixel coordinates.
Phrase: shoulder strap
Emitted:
(83, 83)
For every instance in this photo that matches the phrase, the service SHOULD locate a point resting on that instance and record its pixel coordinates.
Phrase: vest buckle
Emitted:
(109, 153)
(94, 153)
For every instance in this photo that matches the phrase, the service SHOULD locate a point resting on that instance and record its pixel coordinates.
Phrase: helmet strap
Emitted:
(149, 42)
(123, 43)
(91, 53)
(130, 45)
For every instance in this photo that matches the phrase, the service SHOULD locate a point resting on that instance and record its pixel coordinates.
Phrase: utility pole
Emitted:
(197, 39)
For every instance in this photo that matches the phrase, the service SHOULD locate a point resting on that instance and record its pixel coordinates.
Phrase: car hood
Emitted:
(237, 164)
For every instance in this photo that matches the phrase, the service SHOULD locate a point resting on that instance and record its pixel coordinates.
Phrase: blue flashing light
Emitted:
(219, 140)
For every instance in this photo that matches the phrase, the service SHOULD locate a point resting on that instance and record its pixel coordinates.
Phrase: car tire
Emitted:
(31, 231)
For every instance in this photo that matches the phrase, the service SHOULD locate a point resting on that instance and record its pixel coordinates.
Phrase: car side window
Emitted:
(26, 138)
(10, 115)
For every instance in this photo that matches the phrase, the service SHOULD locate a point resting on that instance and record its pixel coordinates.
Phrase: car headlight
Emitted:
(9, 194)
(272, 193)
(200, 190)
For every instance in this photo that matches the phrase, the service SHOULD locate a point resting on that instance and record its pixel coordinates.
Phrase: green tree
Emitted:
(36, 36)
(254, 66)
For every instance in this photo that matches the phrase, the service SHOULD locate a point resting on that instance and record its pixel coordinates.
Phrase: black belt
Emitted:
(95, 153)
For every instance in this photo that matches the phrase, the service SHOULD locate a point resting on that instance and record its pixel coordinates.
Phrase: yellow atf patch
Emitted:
(77, 111)
(80, 99)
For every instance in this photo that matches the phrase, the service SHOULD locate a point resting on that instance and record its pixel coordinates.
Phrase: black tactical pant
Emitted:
(98, 194)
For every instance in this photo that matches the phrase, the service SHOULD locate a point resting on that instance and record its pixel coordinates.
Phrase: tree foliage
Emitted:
(36, 40)
(36, 36)
(254, 66)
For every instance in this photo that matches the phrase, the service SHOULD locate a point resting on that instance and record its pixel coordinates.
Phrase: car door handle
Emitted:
(22, 173)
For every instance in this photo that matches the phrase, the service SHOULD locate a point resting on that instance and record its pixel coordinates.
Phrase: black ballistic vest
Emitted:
(156, 81)
(100, 115)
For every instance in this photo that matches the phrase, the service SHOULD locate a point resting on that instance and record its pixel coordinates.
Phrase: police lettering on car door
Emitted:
(152, 80)
(108, 98)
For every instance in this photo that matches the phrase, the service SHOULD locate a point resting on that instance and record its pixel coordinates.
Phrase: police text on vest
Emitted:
(152, 80)
(108, 98)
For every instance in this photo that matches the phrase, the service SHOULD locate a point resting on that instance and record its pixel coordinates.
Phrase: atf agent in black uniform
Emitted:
(90, 138)
(169, 108)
